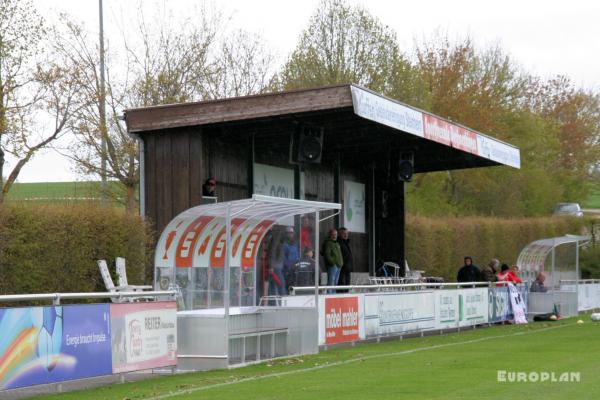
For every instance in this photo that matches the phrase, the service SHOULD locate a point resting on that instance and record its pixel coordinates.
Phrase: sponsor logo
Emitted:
(341, 320)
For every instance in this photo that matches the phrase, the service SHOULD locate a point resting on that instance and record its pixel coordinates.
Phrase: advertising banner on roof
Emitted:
(386, 112)
(449, 134)
(498, 151)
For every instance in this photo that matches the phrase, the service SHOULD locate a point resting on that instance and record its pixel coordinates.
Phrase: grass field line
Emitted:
(344, 362)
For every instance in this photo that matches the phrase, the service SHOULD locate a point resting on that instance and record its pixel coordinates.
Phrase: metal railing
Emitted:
(57, 297)
(374, 288)
(580, 281)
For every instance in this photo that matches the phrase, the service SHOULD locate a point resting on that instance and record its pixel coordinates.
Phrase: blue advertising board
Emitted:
(52, 344)
(499, 306)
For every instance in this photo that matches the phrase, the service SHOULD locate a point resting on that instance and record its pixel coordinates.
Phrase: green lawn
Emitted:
(593, 200)
(59, 192)
(454, 366)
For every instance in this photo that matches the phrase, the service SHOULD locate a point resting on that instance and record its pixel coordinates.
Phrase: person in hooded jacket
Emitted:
(468, 272)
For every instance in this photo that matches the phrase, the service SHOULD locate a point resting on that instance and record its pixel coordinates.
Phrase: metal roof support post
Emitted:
(317, 267)
(553, 274)
(227, 272)
(577, 273)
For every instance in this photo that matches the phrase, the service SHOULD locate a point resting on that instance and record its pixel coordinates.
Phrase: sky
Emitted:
(546, 38)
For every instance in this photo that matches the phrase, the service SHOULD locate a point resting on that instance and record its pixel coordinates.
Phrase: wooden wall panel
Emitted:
(197, 166)
(180, 173)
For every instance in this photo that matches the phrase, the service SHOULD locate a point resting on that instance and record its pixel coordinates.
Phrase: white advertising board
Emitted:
(498, 151)
(386, 112)
(446, 309)
(472, 306)
(396, 313)
(273, 181)
(354, 206)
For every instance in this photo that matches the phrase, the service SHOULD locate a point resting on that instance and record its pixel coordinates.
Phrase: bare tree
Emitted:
(242, 66)
(165, 62)
(36, 94)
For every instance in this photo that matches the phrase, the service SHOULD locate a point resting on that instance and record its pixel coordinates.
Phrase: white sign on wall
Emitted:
(394, 313)
(273, 181)
(354, 206)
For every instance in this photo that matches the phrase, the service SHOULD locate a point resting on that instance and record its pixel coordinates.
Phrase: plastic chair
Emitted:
(108, 282)
(122, 277)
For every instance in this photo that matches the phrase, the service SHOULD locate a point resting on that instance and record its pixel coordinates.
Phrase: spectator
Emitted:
(306, 232)
(348, 264)
(304, 270)
(291, 254)
(506, 275)
(488, 273)
(468, 272)
(333, 259)
(515, 271)
(208, 189)
(538, 284)
(278, 284)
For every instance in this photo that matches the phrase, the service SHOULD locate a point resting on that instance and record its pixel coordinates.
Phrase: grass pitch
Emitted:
(453, 366)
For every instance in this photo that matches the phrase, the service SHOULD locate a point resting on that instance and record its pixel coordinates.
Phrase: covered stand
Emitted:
(558, 259)
(211, 253)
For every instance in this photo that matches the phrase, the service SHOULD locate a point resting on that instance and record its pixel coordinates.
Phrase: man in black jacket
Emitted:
(347, 267)
(469, 272)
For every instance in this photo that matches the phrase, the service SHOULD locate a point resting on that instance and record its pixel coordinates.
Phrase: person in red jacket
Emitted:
(506, 275)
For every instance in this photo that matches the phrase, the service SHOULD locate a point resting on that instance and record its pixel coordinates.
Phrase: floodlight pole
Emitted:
(102, 108)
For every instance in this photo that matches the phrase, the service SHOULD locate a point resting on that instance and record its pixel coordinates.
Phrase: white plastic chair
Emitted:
(108, 282)
(122, 277)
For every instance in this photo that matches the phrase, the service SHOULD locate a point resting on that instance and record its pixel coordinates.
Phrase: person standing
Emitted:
(291, 255)
(347, 264)
(332, 254)
(488, 273)
(468, 272)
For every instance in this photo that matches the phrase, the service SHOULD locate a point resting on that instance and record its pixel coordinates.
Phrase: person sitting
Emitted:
(506, 275)
(468, 272)
(304, 270)
(538, 284)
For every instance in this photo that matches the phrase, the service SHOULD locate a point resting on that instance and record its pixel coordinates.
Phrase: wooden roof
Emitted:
(237, 108)
(342, 106)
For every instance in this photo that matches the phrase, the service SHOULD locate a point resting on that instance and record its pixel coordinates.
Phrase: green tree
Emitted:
(343, 44)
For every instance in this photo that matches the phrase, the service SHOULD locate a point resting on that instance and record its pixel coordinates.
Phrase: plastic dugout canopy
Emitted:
(557, 257)
(191, 253)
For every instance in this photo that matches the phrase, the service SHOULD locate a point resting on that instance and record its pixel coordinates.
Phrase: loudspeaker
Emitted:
(405, 166)
(307, 144)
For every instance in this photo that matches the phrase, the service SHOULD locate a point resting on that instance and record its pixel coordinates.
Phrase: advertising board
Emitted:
(144, 335)
(395, 313)
(342, 320)
(41, 345)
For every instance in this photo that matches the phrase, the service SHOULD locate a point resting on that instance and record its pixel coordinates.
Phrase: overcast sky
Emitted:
(545, 37)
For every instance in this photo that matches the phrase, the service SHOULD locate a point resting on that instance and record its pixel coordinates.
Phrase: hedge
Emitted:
(46, 249)
(438, 245)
